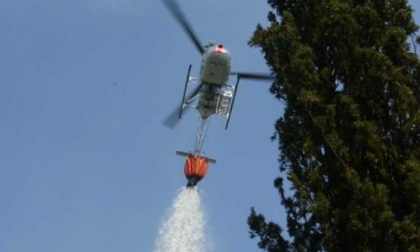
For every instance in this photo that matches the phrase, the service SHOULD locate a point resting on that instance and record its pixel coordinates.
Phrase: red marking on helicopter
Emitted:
(219, 49)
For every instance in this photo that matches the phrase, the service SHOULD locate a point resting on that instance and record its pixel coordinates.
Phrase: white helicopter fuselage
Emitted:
(215, 65)
(213, 93)
(214, 74)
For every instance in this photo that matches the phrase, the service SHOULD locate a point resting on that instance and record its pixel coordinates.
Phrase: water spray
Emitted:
(184, 228)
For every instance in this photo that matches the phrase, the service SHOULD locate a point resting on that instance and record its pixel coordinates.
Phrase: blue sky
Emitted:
(85, 164)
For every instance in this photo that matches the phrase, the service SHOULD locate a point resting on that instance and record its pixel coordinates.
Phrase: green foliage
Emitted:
(349, 138)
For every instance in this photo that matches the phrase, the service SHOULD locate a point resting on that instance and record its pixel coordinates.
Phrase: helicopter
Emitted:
(215, 96)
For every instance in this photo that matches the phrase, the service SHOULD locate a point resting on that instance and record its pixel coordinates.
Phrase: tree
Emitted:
(349, 138)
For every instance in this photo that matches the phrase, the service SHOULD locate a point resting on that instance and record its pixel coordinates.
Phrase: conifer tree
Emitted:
(348, 74)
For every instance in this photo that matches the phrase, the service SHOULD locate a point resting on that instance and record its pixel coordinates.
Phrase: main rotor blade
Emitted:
(182, 20)
(173, 118)
(254, 76)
